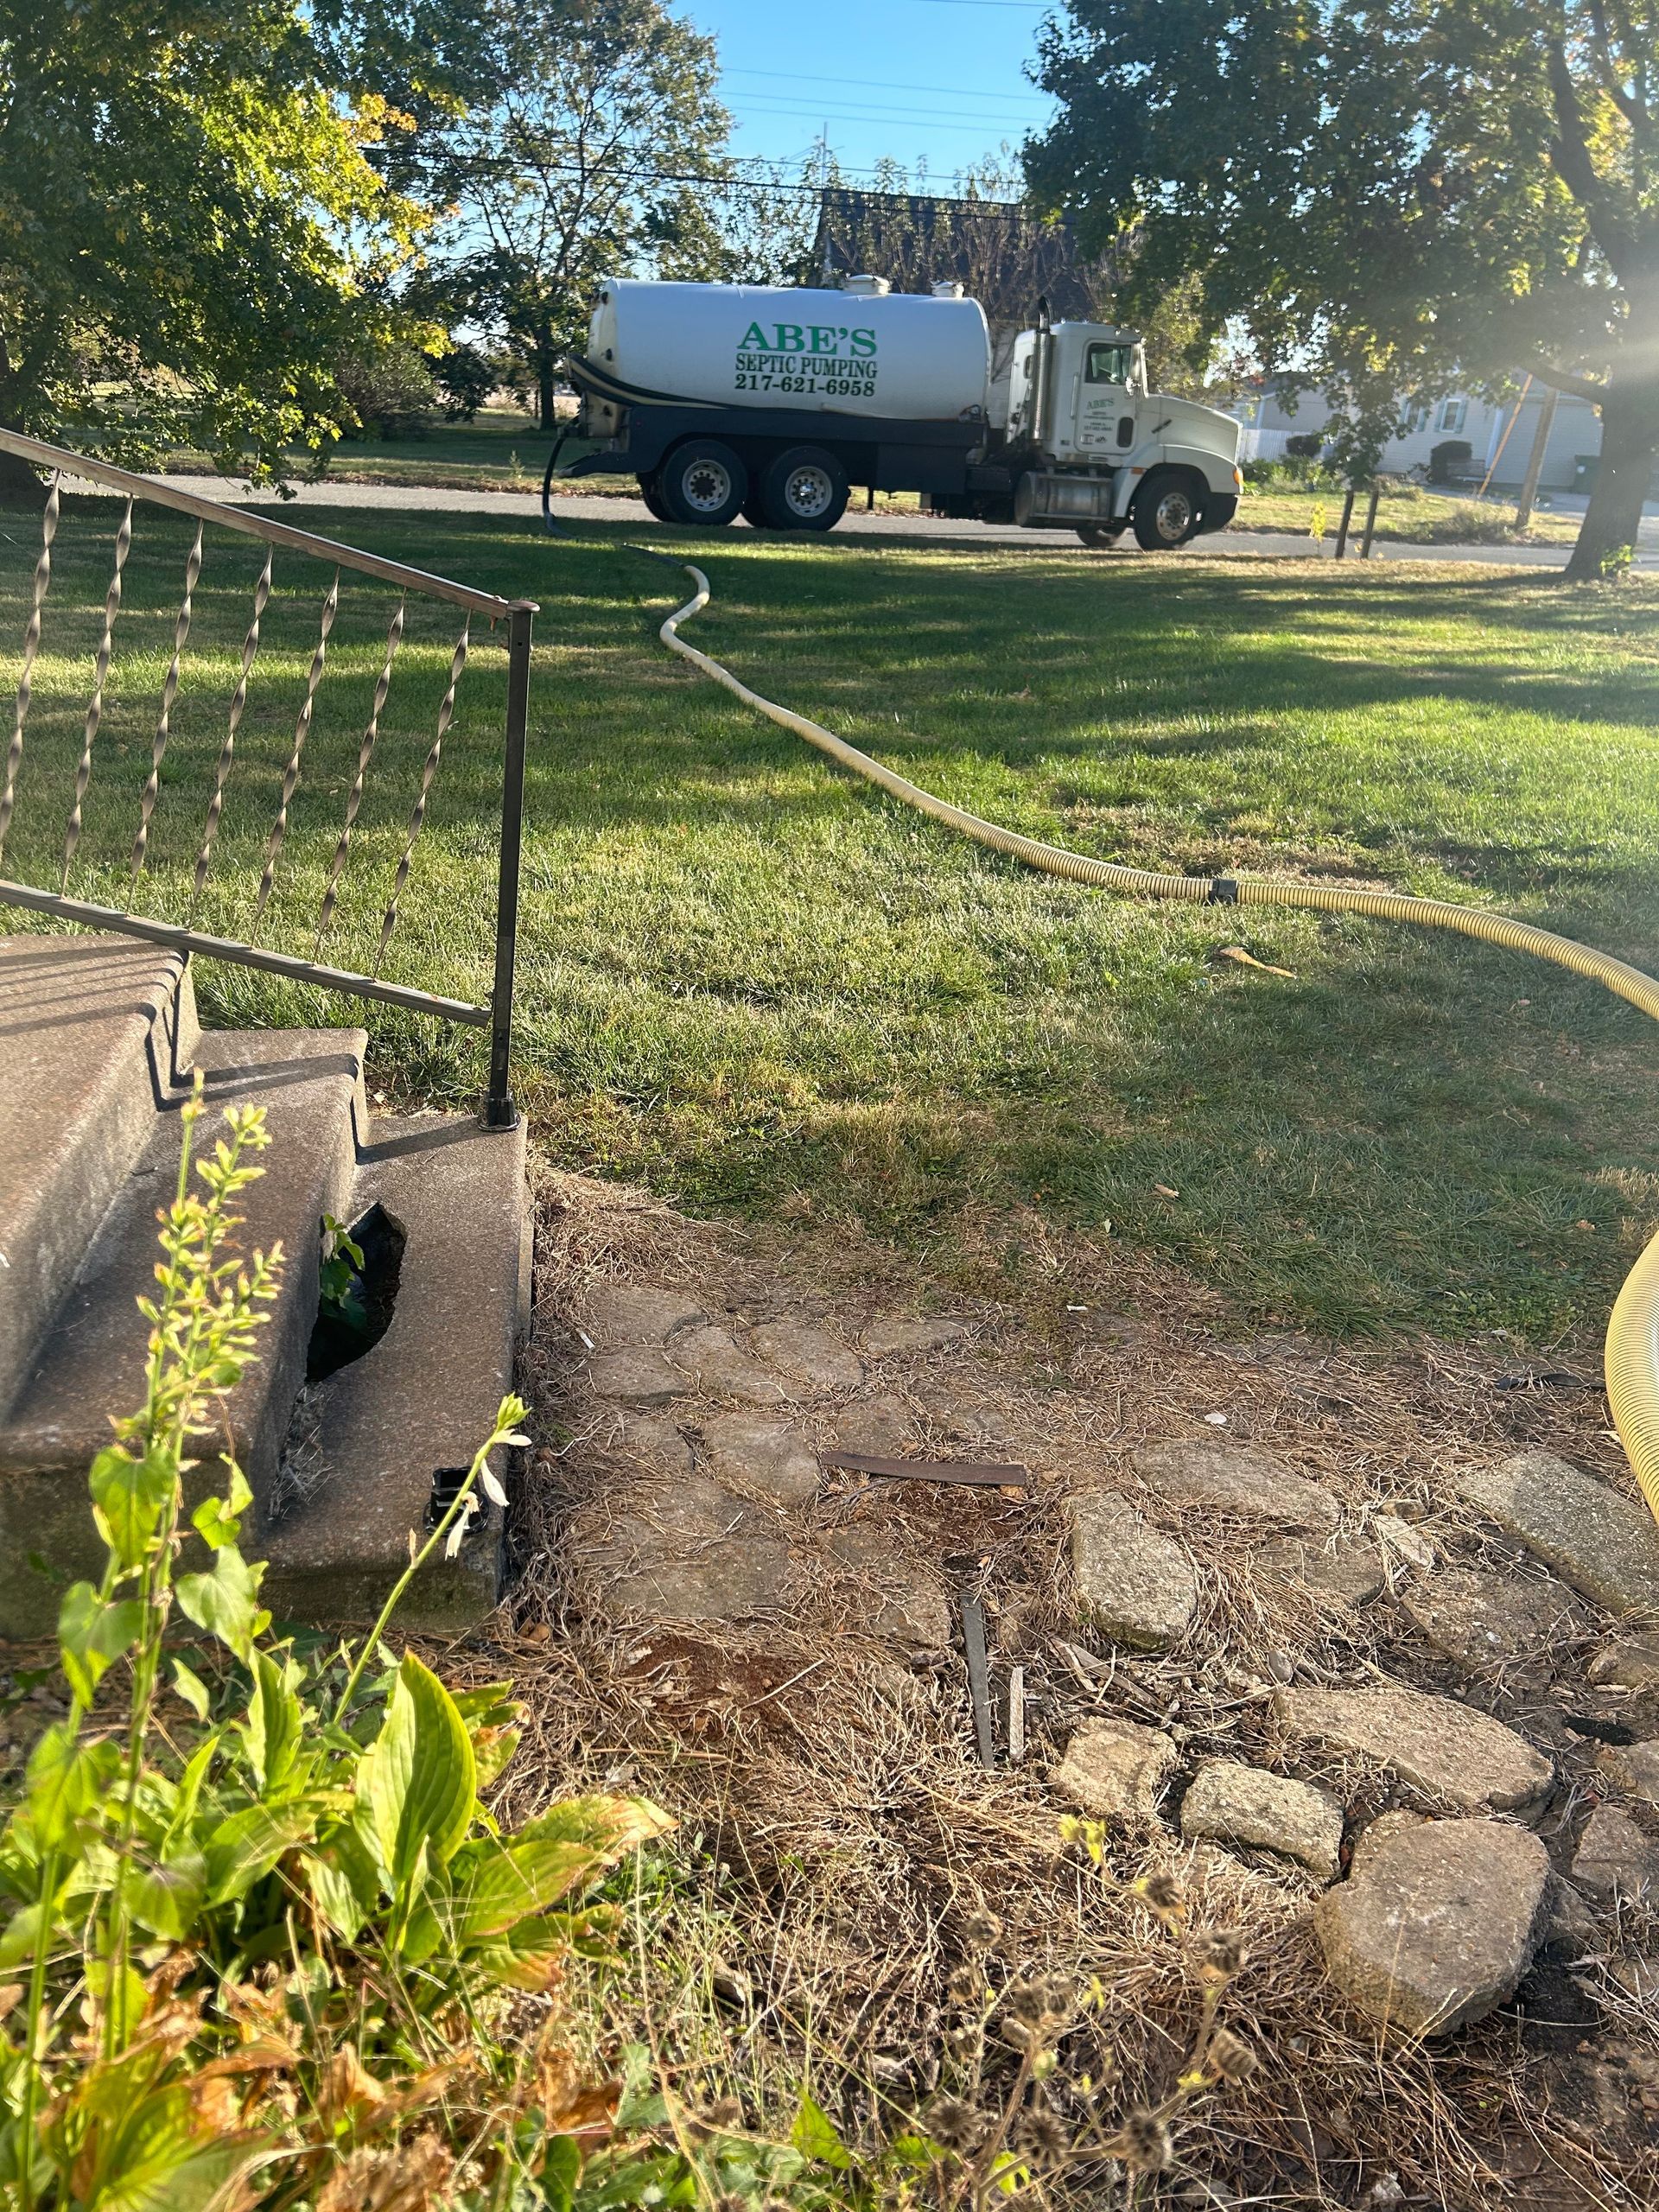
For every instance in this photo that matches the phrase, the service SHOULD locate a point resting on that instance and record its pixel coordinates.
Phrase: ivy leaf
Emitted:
(224, 1601)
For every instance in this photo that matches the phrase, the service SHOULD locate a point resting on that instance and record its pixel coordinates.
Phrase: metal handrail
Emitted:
(499, 1110)
(252, 525)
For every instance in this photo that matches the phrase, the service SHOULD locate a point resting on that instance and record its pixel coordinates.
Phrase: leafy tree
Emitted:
(565, 173)
(187, 212)
(1389, 196)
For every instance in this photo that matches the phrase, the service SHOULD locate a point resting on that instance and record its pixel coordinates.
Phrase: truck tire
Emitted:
(1168, 508)
(803, 488)
(702, 481)
(650, 494)
(1100, 536)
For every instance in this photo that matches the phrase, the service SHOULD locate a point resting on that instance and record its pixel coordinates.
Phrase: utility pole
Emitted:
(1536, 460)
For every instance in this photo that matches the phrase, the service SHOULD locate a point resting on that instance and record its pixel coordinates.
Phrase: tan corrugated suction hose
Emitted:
(1632, 1348)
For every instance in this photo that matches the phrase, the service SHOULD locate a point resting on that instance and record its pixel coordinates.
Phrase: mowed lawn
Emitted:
(757, 984)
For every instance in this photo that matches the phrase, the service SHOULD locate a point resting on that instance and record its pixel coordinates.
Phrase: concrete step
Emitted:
(89, 1363)
(91, 1030)
(367, 1443)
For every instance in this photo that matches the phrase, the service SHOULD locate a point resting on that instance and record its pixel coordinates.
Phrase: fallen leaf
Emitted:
(1165, 1191)
(1249, 960)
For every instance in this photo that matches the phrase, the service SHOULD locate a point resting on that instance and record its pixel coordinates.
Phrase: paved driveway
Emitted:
(887, 528)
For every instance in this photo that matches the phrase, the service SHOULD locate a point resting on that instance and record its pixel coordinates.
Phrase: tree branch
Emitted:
(1567, 380)
(1570, 152)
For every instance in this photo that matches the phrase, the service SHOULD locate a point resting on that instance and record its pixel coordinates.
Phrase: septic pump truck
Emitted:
(743, 399)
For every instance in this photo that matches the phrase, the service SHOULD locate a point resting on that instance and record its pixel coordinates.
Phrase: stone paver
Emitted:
(899, 1340)
(641, 1374)
(808, 1355)
(1492, 1620)
(655, 1437)
(910, 1604)
(686, 1550)
(1235, 1803)
(761, 1459)
(1346, 1573)
(620, 1314)
(1633, 1768)
(1437, 1924)
(1238, 1479)
(1444, 1749)
(1630, 1663)
(880, 1426)
(1604, 1543)
(1615, 1858)
(1132, 1583)
(711, 1357)
(1115, 1769)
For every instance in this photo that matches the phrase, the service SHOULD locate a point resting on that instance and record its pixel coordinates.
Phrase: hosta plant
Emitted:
(263, 1941)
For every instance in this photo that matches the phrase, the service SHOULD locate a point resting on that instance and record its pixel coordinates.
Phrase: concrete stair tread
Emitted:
(90, 1364)
(367, 1440)
(86, 1043)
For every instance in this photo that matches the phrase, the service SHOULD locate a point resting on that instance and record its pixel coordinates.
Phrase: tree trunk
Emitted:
(1630, 444)
(545, 374)
(19, 486)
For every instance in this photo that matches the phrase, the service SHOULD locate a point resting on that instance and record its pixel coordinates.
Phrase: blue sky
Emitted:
(941, 80)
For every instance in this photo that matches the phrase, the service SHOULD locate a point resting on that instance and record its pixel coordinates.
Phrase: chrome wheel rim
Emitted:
(1173, 515)
(706, 485)
(808, 492)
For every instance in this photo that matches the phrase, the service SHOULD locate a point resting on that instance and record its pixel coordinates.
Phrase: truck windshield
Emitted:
(1109, 365)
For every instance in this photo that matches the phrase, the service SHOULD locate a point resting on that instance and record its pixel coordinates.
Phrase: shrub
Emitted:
(1448, 459)
(269, 1947)
(1304, 445)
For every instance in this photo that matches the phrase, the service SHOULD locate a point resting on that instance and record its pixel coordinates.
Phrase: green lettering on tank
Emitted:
(824, 338)
(754, 336)
(791, 339)
(863, 342)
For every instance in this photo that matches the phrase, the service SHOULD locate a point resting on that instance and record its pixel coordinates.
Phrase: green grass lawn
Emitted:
(755, 983)
(1405, 514)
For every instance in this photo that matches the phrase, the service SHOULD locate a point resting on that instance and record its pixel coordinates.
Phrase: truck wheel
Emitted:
(1167, 510)
(702, 481)
(803, 488)
(1097, 535)
(651, 493)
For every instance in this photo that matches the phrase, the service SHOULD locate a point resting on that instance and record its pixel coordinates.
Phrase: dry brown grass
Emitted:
(838, 1835)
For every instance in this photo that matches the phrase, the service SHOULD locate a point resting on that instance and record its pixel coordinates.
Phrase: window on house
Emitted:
(1109, 365)
(1454, 415)
(1416, 420)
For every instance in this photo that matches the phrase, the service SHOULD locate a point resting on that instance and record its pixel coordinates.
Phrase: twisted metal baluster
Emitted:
(366, 754)
(291, 773)
(31, 646)
(227, 751)
(95, 707)
(445, 715)
(169, 693)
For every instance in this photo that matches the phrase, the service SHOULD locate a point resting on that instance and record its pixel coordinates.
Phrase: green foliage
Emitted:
(274, 1948)
(188, 219)
(1385, 196)
(340, 1277)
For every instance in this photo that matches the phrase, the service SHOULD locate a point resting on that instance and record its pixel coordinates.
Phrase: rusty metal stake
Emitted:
(979, 1683)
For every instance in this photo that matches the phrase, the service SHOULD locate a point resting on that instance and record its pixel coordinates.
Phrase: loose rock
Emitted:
(1438, 1925)
(1343, 1573)
(1615, 1859)
(761, 1459)
(1115, 1769)
(1403, 1540)
(1629, 1663)
(1490, 1620)
(1602, 1542)
(1234, 1478)
(896, 1339)
(1445, 1750)
(1132, 1582)
(809, 1355)
(619, 1314)
(713, 1362)
(1633, 1767)
(878, 1426)
(655, 1437)
(643, 1375)
(1235, 1803)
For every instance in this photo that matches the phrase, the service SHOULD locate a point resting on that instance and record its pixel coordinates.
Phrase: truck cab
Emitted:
(1096, 451)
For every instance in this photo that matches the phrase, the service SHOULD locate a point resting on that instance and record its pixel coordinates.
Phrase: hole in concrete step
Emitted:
(446, 1489)
(355, 1309)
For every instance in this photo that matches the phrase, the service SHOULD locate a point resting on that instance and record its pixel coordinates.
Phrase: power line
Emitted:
(874, 84)
(937, 121)
(988, 211)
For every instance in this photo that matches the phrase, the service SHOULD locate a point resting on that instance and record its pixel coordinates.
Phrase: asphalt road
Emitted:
(885, 528)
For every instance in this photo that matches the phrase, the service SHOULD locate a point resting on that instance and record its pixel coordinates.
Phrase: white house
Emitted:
(1499, 433)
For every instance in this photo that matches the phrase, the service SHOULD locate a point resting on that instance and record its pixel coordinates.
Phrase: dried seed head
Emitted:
(1027, 2001)
(953, 2125)
(966, 1987)
(1162, 1892)
(964, 2042)
(1233, 2058)
(980, 1930)
(1221, 1954)
(1059, 1998)
(1042, 2136)
(1145, 2142)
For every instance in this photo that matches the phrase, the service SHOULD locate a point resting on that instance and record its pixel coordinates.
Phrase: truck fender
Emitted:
(1215, 469)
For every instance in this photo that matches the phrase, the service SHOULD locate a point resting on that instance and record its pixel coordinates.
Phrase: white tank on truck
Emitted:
(866, 353)
(741, 399)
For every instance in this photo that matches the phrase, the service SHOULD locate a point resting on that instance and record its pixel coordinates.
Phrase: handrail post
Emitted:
(499, 1112)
